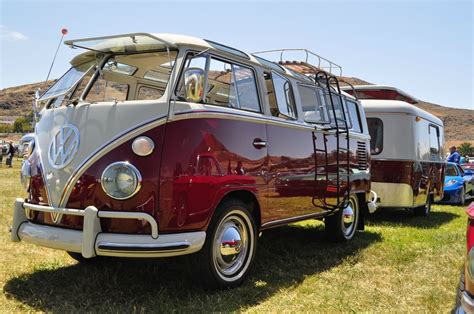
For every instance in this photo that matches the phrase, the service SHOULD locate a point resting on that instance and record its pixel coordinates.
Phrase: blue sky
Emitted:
(422, 47)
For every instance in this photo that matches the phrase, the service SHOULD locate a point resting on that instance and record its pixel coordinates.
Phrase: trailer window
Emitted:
(376, 135)
(434, 139)
(284, 103)
(314, 107)
(354, 116)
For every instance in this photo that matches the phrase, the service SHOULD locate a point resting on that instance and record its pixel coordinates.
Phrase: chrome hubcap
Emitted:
(349, 218)
(231, 245)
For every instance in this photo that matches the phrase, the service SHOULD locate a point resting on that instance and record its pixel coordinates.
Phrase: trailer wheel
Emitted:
(225, 259)
(342, 226)
(424, 210)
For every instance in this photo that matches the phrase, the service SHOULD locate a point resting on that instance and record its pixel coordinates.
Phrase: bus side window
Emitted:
(314, 109)
(284, 105)
(354, 116)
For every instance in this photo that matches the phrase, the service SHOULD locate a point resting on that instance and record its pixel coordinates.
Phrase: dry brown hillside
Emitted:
(459, 123)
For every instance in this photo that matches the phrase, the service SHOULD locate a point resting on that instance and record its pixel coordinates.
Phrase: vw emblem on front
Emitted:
(64, 146)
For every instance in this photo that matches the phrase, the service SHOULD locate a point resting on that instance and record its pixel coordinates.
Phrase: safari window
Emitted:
(314, 110)
(120, 72)
(376, 135)
(284, 97)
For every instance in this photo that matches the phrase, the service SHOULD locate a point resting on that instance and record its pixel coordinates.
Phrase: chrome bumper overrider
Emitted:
(91, 241)
(467, 304)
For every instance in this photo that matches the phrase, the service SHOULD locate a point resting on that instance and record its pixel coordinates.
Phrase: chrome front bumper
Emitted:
(91, 241)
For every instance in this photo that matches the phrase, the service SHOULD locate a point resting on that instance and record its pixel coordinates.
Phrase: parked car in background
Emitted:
(468, 165)
(458, 184)
(465, 302)
(3, 147)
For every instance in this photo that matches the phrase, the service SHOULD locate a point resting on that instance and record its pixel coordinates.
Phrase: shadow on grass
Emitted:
(285, 256)
(396, 217)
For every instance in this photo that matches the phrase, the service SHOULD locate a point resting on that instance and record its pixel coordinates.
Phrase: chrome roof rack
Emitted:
(305, 65)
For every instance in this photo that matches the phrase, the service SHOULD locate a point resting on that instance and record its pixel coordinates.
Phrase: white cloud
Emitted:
(10, 35)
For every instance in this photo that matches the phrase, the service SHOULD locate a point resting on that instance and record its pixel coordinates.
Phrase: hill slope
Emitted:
(459, 123)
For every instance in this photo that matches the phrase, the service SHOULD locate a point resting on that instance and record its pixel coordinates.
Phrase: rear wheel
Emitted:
(342, 226)
(229, 250)
(425, 209)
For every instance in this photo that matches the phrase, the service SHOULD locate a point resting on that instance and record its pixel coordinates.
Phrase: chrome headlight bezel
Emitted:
(25, 175)
(470, 263)
(121, 164)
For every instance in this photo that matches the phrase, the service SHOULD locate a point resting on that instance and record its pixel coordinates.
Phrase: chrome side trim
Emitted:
(275, 223)
(104, 149)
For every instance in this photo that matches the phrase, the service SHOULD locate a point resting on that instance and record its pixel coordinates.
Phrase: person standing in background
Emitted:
(10, 154)
(454, 156)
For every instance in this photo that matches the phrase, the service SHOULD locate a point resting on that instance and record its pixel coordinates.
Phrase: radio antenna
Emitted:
(63, 33)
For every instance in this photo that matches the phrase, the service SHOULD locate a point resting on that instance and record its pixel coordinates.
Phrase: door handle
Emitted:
(258, 143)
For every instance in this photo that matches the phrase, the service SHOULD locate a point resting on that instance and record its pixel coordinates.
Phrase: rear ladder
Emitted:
(340, 189)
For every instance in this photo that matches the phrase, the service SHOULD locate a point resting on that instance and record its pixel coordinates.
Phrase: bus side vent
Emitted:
(361, 155)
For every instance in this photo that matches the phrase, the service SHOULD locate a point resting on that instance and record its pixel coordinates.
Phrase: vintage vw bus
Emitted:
(407, 167)
(164, 145)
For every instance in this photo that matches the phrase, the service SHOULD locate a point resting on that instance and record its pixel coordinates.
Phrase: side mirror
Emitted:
(194, 79)
(37, 94)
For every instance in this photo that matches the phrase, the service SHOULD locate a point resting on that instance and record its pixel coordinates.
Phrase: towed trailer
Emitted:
(407, 148)
(156, 145)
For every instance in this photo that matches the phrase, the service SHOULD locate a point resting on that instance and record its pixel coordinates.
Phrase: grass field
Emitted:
(399, 263)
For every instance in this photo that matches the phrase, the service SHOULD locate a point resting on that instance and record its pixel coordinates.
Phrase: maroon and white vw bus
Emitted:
(163, 145)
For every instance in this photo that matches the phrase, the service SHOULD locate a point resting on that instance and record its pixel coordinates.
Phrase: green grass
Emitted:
(399, 263)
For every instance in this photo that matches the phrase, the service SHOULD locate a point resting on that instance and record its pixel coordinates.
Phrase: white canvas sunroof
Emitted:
(127, 43)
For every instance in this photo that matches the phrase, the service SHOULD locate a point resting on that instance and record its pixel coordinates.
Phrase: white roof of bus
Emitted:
(396, 106)
(188, 41)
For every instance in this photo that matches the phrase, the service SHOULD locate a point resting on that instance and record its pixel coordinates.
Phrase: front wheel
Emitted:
(229, 250)
(342, 226)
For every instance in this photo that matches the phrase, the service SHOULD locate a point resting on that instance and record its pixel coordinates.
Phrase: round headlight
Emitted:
(25, 175)
(121, 180)
(143, 146)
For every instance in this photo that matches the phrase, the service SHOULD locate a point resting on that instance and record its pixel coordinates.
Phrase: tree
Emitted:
(22, 125)
(466, 149)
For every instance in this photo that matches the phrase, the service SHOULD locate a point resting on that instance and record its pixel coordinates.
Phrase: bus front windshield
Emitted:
(123, 77)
